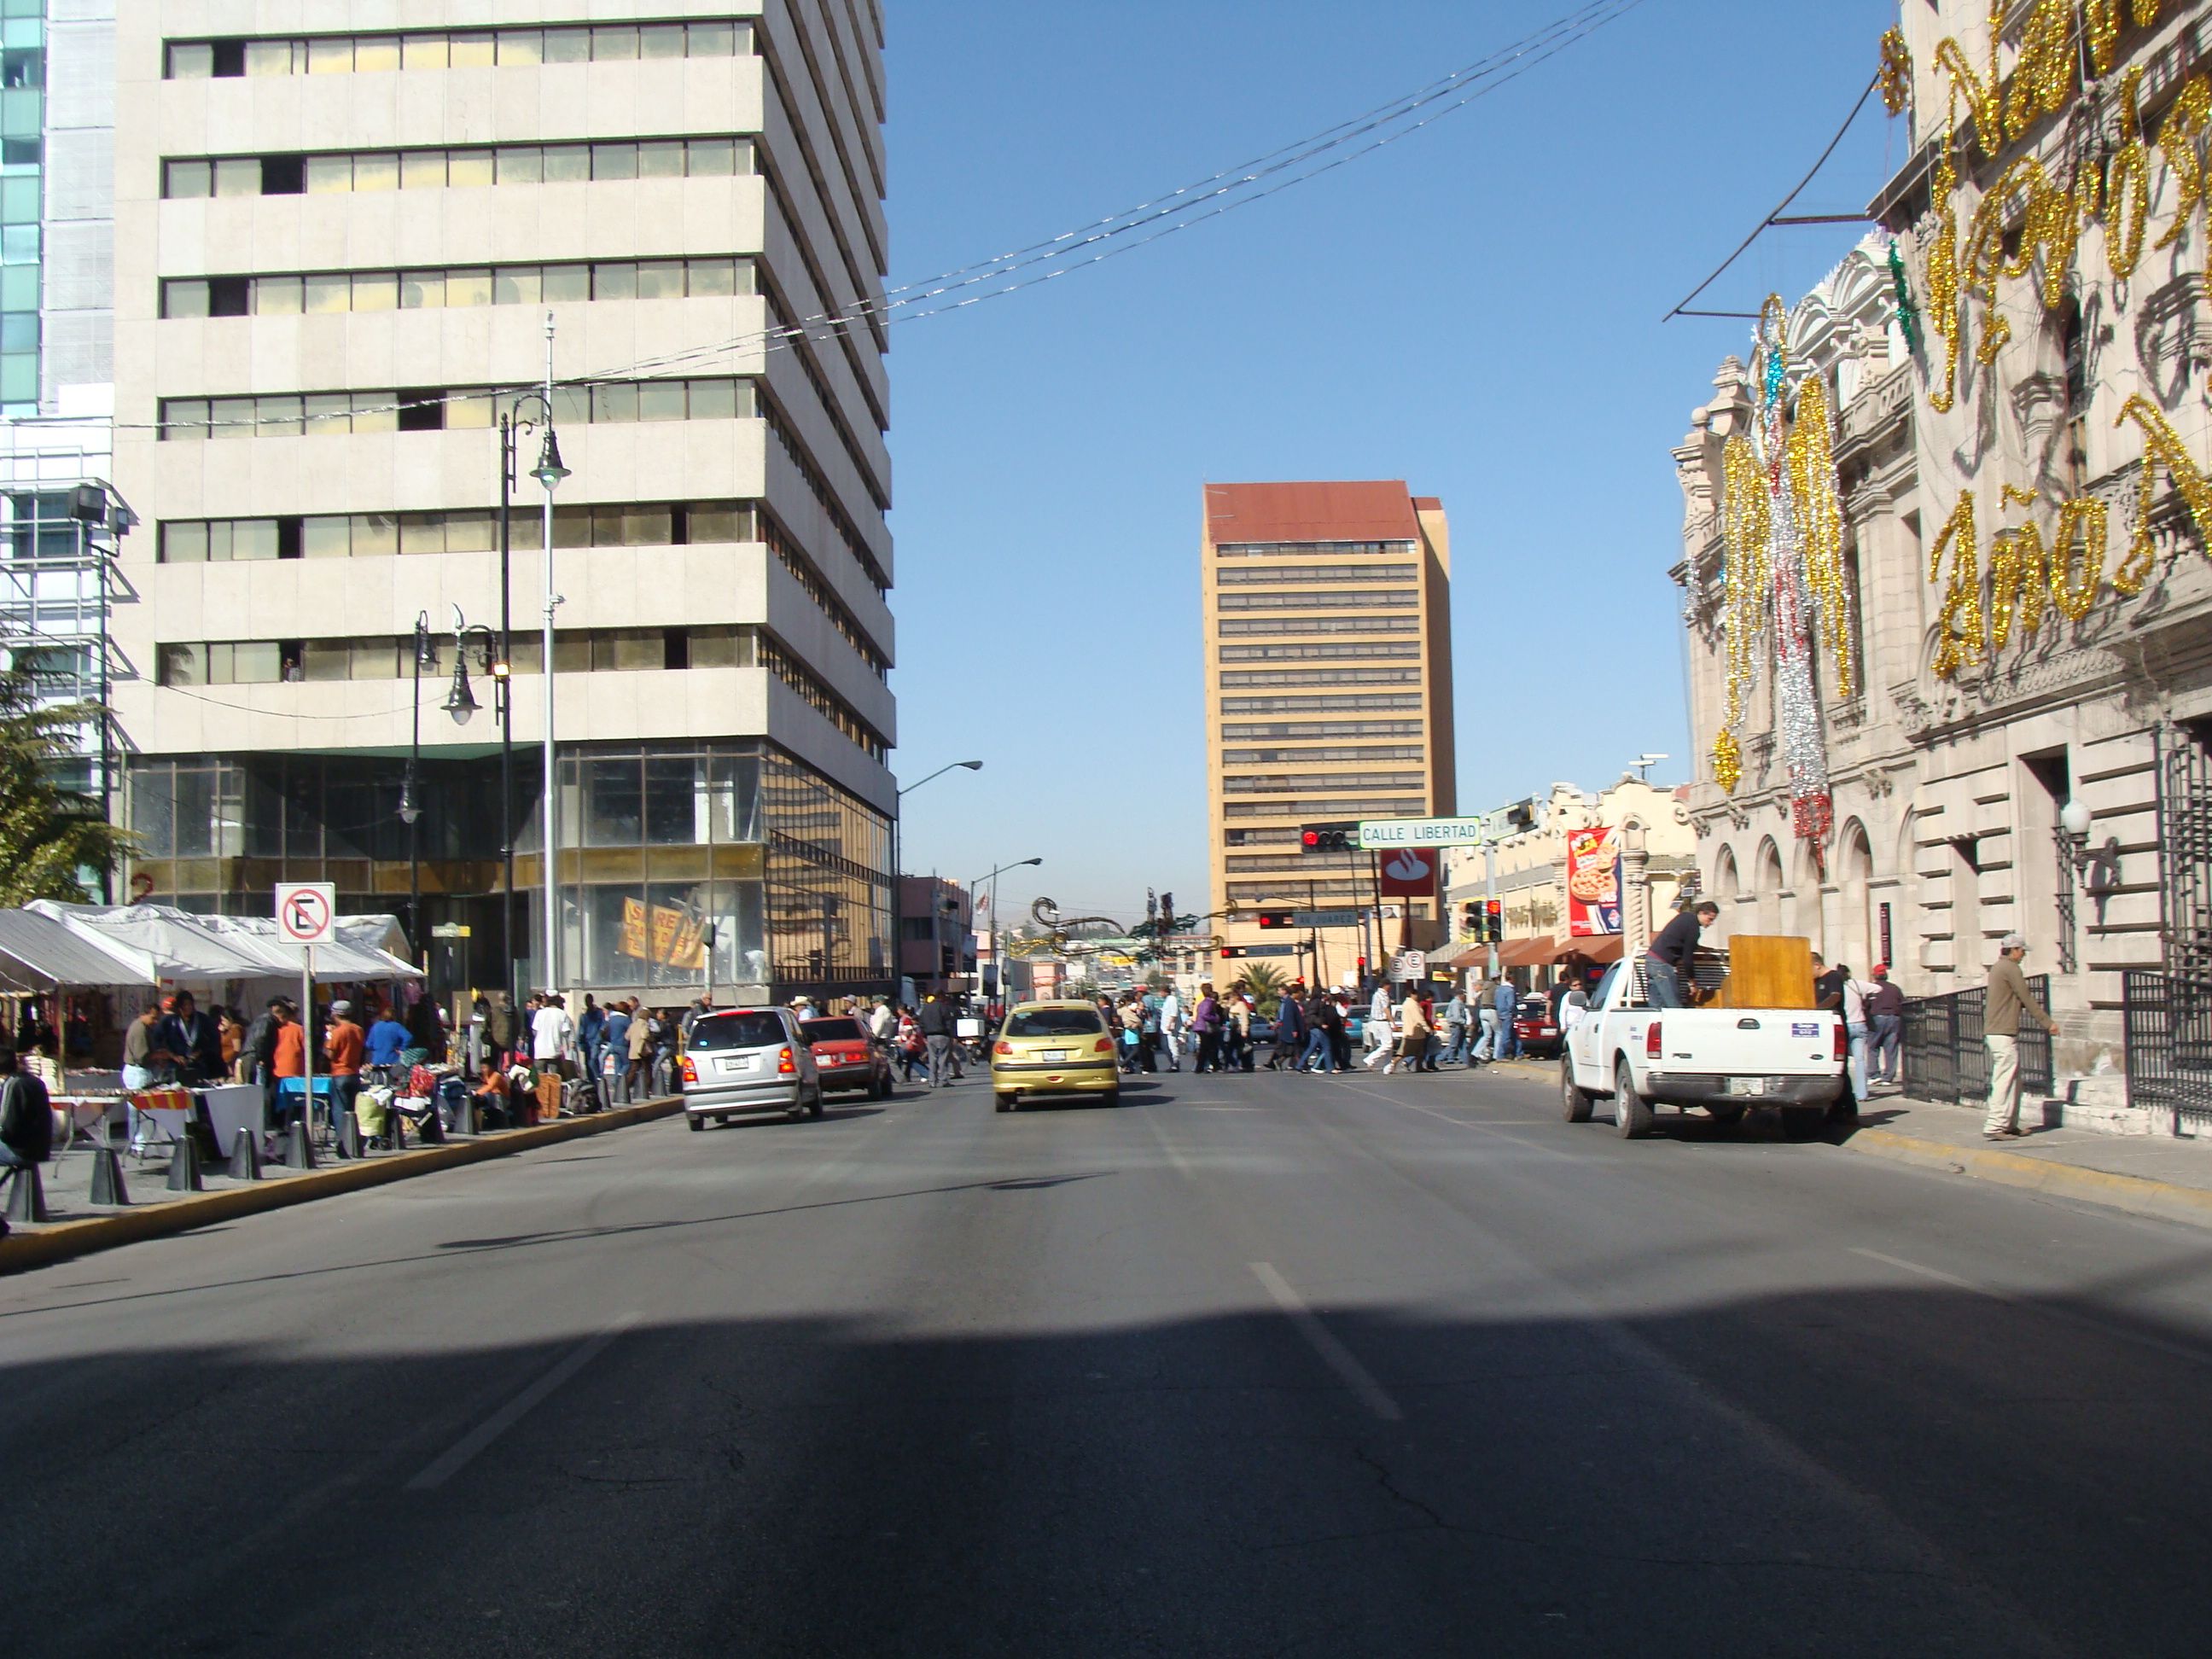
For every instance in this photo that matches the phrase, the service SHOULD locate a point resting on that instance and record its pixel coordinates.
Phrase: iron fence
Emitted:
(1945, 1058)
(2168, 1022)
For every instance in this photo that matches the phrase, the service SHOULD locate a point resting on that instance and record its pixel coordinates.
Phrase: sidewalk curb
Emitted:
(23, 1250)
(2139, 1195)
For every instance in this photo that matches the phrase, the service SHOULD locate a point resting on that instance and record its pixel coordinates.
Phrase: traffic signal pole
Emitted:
(1490, 897)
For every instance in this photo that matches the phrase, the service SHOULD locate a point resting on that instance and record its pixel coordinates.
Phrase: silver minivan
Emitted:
(743, 1060)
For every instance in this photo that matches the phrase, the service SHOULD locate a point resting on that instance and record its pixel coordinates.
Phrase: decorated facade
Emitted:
(1945, 528)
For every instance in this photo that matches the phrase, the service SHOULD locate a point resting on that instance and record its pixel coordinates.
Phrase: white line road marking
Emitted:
(1334, 1354)
(1168, 1146)
(457, 1457)
(2064, 1315)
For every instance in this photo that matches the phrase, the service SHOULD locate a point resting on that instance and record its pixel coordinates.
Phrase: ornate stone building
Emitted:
(2023, 619)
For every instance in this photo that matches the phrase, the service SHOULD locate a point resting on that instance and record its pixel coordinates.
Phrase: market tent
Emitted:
(180, 945)
(38, 953)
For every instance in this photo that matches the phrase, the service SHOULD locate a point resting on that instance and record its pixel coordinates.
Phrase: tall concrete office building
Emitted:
(1328, 621)
(342, 229)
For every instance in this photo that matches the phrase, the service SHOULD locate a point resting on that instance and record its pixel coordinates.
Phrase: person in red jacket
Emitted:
(345, 1043)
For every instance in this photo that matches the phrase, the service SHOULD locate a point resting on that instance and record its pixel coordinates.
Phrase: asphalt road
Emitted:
(1249, 1365)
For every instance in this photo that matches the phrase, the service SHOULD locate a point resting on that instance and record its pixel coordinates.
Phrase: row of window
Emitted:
(372, 535)
(1325, 808)
(1278, 783)
(1296, 627)
(269, 662)
(1299, 731)
(323, 292)
(1276, 575)
(292, 173)
(816, 588)
(1268, 550)
(825, 498)
(364, 54)
(1409, 752)
(1408, 700)
(289, 415)
(1321, 676)
(1364, 600)
(1409, 652)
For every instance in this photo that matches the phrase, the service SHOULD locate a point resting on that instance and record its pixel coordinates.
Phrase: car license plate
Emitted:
(1056, 1056)
(737, 1063)
(1746, 1086)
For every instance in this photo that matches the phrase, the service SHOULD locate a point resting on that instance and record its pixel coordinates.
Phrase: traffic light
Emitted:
(1362, 966)
(1275, 919)
(1327, 837)
(1470, 920)
(1230, 953)
(1493, 919)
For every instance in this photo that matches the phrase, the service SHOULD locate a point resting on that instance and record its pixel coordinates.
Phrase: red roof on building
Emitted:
(1378, 511)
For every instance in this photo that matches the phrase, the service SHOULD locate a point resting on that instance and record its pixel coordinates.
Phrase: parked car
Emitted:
(1535, 1030)
(847, 1058)
(1053, 1048)
(742, 1062)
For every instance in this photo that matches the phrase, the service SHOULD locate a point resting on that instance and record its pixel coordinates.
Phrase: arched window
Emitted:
(1854, 882)
(1767, 887)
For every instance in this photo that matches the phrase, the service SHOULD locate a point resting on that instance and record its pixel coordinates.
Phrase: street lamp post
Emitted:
(997, 966)
(898, 884)
(460, 703)
(549, 471)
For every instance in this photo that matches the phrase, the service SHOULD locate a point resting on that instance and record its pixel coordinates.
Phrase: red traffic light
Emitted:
(1310, 840)
(1230, 951)
(1274, 918)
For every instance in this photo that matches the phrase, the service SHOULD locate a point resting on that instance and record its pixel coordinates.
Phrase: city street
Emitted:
(1252, 1364)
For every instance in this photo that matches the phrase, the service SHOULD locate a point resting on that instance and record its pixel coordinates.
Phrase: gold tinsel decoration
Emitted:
(1944, 314)
(2086, 521)
(1984, 94)
(1960, 638)
(2180, 141)
(1812, 463)
(2127, 185)
(1728, 761)
(2162, 447)
(1745, 523)
(2019, 575)
(1896, 72)
(2042, 77)
(2100, 22)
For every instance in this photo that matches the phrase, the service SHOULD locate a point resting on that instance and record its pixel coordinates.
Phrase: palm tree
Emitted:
(49, 832)
(1263, 982)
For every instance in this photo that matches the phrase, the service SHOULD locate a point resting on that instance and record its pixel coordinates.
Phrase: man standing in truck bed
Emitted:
(1668, 965)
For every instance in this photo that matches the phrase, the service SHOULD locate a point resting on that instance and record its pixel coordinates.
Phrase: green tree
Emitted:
(49, 833)
(1263, 982)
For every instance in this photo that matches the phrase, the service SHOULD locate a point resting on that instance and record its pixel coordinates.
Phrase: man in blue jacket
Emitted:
(1508, 1000)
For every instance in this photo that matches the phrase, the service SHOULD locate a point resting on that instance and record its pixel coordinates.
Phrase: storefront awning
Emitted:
(38, 953)
(1600, 949)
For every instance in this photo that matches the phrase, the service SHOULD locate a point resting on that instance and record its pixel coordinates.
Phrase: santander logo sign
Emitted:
(1408, 866)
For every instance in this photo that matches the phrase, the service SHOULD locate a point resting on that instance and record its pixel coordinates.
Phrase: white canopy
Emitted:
(174, 945)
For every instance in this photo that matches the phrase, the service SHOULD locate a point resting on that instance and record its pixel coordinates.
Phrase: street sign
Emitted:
(305, 910)
(1268, 949)
(1408, 965)
(1423, 832)
(1411, 873)
(450, 930)
(1325, 918)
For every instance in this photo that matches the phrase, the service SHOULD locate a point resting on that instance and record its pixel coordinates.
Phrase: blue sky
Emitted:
(1475, 310)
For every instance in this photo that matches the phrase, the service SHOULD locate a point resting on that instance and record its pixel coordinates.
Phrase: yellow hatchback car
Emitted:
(1053, 1049)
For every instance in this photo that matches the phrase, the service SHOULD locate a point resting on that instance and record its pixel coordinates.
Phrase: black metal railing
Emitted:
(2168, 1023)
(1945, 1058)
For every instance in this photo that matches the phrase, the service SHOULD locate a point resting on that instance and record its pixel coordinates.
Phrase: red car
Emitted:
(847, 1058)
(1534, 1031)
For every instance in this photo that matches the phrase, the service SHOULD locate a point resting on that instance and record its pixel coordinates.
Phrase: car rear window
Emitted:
(1053, 1022)
(830, 1031)
(736, 1031)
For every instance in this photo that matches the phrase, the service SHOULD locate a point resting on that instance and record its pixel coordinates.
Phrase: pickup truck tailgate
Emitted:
(1748, 1042)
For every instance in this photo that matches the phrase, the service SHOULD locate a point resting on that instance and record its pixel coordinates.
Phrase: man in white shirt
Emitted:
(1858, 1024)
(1171, 1029)
(552, 1033)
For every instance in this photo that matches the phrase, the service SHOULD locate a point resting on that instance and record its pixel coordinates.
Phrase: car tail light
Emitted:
(1004, 1049)
(1103, 1046)
(784, 1063)
(1842, 1041)
(1651, 1041)
(691, 1071)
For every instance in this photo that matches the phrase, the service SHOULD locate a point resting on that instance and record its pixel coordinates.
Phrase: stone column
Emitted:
(1635, 892)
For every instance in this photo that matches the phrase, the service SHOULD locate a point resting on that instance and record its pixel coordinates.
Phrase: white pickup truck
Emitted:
(1725, 1059)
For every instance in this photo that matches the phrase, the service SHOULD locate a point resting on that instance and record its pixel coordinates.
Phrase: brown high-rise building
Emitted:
(1329, 689)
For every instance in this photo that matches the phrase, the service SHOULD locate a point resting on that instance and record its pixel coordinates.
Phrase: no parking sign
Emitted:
(305, 910)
